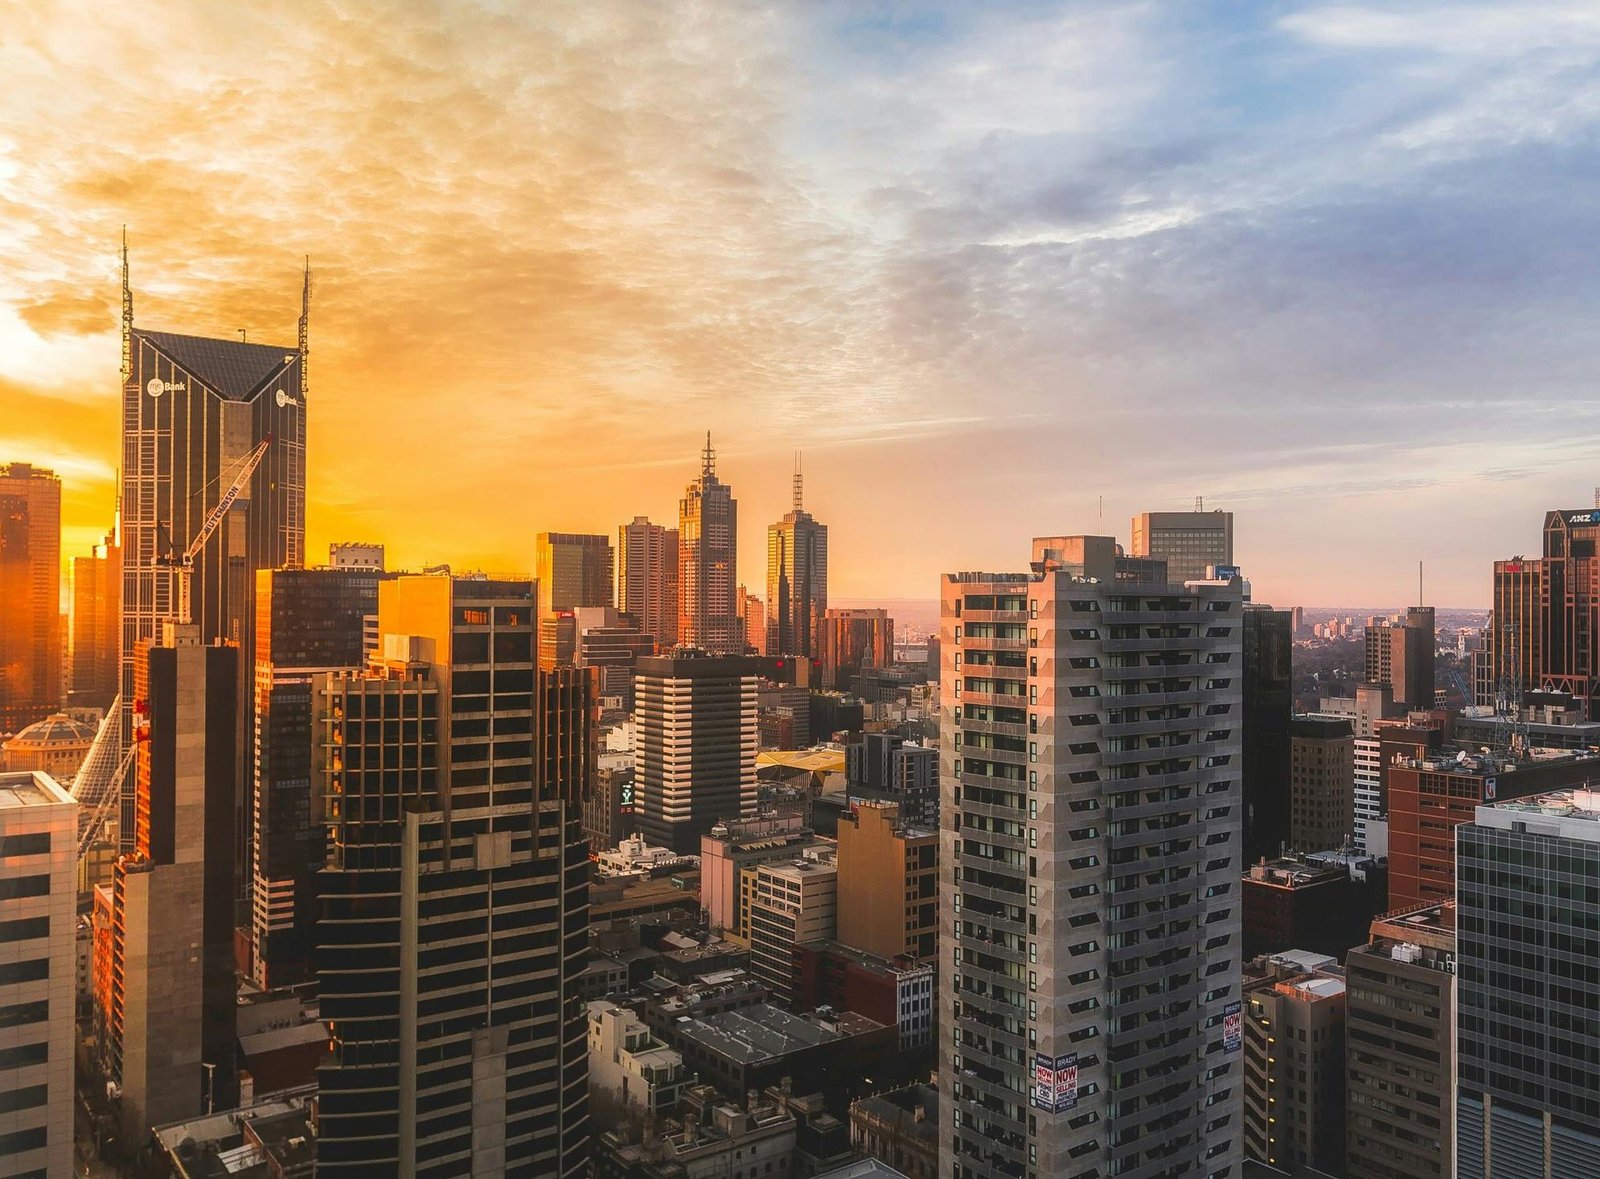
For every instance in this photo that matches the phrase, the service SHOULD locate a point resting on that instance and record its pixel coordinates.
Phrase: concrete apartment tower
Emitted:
(38, 960)
(1187, 541)
(1401, 654)
(1089, 869)
(797, 581)
(30, 595)
(708, 568)
(647, 579)
(451, 775)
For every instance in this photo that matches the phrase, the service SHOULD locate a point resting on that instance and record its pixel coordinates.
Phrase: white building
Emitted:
(628, 1062)
(38, 959)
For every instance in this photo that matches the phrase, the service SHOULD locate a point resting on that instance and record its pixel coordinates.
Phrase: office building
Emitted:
(697, 739)
(1189, 542)
(193, 409)
(356, 554)
(1400, 653)
(1434, 792)
(610, 640)
(1268, 710)
(710, 1137)
(797, 581)
(38, 845)
(1294, 1035)
(647, 579)
(558, 640)
(708, 566)
(731, 846)
(308, 622)
(1399, 1047)
(887, 766)
(30, 595)
(455, 857)
(853, 640)
(753, 617)
(96, 625)
(1321, 783)
(1527, 1042)
(172, 994)
(897, 991)
(1089, 868)
(1308, 902)
(888, 883)
(608, 811)
(790, 903)
(573, 569)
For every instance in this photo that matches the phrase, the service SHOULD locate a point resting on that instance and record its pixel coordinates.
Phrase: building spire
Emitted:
(799, 484)
(708, 461)
(127, 313)
(305, 331)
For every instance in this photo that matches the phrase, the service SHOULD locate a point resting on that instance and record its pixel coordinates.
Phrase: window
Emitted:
(15, 888)
(34, 843)
(24, 929)
(33, 970)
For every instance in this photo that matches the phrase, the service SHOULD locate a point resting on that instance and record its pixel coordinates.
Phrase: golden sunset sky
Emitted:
(986, 266)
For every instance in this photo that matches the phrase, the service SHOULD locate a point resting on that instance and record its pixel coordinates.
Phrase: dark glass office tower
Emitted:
(308, 621)
(1268, 708)
(454, 912)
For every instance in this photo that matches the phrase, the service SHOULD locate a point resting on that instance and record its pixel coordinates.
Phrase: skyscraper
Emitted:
(454, 901)
(308, 621)
(192, 410)
(1089, 869)
(853, 640)
(647, 578)
(753, 617)
(1186, 541)
(1268, 708)
(30, 595)
(697, 736)
(574, 569)
(1321, 783)
(1401, 654)
(708, 573)
(96, 624)
(38, 839)
(797, 581)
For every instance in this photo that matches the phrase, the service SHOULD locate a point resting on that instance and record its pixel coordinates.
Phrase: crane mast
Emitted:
(183, 563)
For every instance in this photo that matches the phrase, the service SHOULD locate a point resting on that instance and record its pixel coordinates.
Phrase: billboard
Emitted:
(1055, 1082)
(1232, 1027)
(1226, 572)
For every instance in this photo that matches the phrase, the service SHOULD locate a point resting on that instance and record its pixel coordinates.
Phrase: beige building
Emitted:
(1294, 1007)
(790, 903)
(734, 845)
(647, 578)
(888, 883)
(1186, 541)
(38, 974)
(1322, 809)
(628, 1064)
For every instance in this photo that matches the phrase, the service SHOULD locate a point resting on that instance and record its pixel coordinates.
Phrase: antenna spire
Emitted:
(305, 332)
(127, 314)
(708, 460)
(799, 484)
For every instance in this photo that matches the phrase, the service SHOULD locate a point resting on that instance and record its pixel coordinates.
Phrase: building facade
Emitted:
(1400, 653)
(1268, 710)
(888, 883)
(574, 569)
(96, 625)
(1321, 783)
(1187, 541)
(38, 970)
(853, 640)
(647, 578)
(791, 903)
(1089, 869)
(708, 564)
(797, 582)
(1294, 1021)
(30, 595)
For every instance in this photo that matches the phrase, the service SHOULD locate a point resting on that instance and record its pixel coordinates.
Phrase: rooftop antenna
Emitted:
(305, 331)
(243, 339)
(1102, 500)
(1597, 497)
(1199, 503)
(708, 460)
(127, 314)
(1419, 583)
(798, 483)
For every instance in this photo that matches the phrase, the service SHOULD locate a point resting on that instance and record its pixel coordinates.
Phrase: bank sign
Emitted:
(1055, 1082)
(1591, 517)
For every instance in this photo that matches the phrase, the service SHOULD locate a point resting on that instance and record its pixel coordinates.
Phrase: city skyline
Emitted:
(885, 237)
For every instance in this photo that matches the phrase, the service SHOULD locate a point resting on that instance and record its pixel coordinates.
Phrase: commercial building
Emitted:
(356, 554)
(1301, 902)
(697, 743)
(308, 621)
(899, 1127)
(1268, 710)
(753, 616)
(1527, 1042)
(733, 845)
(558, 640)
(452, 780)
(791, 902)
(1089, 868)
(171, 1023)
(1321, 783)
(853, 640)
(1431, 795)
(886, 765)
(608, 812)
(628, 1065)
(888, 883)
(897, 991)
(1294, 1020)
(712, 1138)
(708, 566)
(573, 570)
(797, 581)
(96, 625)
(193, 409)
(30, 595)
(1400, 653)
(55, 745)
(611, 641)
(38, 970)
(647, 578)
(1189, 542)
(1399, 1047)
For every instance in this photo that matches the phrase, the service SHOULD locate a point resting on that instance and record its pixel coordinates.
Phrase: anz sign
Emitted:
(1592, 517)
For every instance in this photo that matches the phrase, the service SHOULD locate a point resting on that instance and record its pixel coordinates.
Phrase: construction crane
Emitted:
(183, 562)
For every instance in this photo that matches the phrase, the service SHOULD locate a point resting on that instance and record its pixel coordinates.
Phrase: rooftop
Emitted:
(233, 369)
(1567, 814)
(762, 1032)
(31, 788)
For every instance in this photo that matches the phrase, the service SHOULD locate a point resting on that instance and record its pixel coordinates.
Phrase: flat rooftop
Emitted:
(762, 1032)
(31, 788)
(1568, 814)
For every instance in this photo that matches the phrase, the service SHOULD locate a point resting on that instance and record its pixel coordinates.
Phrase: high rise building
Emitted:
(173, 992)
(611, 641)
(697, 744)
(96, 625)
(193, 409)
(791, 903)
(1321, 783)
(574, 569)
(1527, 1042)
(733, 845)
(1399, 1047)
(1294, 1031)
(1401, 654)
(647, 578)
(1268, 709)
(853, 640)
(797, 581)
(753, 616)
(558, 640)
(1187, 541)
(308, 621)
(38, 917)
(888, 883)
(708, 570)
(30, 595)
(1089, 869)
(454, 902)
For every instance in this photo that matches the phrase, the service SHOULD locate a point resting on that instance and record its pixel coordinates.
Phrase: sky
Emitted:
(995, 270)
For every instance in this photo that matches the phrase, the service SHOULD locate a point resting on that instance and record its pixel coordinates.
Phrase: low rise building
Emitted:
(888, 888)
(734, 845)
(711, 1139)
(629, 1068)
(898, 991)
(1304, 902)
(901, 1128)
(274, 1139)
